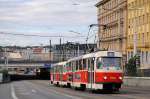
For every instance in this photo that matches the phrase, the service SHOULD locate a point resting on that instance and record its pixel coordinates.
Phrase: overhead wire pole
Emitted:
(98, 25)
(60, 49)
(50, 50)
(88, 38)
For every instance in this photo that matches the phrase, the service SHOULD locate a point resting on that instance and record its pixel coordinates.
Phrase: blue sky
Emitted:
(45, 17)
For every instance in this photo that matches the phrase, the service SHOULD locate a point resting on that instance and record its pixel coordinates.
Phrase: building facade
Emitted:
(139, 32)
(112, 25)
(112, 21)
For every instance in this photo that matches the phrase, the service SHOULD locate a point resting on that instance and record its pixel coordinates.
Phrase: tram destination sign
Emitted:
(110, 54)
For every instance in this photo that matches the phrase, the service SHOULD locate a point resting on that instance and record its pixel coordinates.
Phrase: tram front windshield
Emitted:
(108, 62)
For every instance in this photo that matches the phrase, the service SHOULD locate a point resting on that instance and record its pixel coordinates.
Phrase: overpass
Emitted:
(19, 69)
(26, 64)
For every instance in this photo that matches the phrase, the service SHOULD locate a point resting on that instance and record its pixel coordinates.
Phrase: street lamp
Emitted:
(6, 59)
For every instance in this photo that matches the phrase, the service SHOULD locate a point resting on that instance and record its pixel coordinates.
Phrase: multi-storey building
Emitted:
(138, 37)
(112, 17)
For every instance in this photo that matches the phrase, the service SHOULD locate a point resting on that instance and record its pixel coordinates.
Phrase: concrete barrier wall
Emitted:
(1, 77)
(137, 81)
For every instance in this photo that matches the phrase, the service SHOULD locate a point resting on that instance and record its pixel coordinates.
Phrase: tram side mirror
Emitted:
(99, 59)
(93, 59)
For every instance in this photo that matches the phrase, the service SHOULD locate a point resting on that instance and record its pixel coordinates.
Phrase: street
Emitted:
(38, 89)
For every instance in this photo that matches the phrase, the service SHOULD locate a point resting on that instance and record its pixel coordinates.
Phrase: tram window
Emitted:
(69, 66)
(77, 62)
(60, 68)
(99, 64)
(64, 68)
(84, 64)
(111, 62)
(80, 64)
(91, 63)
(72, 65)
(55, 69)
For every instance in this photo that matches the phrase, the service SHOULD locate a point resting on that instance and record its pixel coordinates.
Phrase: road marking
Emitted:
(58, 93)
(13, 94)
(33, 91)
(73, 97)
(130, 96)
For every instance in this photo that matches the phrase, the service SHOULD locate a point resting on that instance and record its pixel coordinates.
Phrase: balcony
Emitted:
(139, 45)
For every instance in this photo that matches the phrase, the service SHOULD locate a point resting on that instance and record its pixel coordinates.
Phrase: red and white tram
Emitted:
(94, 71)
(58, 75)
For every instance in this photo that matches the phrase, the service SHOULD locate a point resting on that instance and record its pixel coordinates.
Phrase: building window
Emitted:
(143, 38)
(146, 56)
(142, 58)
(131, 54)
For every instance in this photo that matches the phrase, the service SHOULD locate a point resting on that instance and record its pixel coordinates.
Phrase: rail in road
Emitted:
(37, 89)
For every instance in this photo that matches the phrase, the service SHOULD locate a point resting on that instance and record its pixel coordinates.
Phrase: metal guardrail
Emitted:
(1, 77)
(26, 61)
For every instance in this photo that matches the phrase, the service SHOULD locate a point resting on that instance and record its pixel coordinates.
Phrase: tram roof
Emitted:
(96, 54)
(60, 63)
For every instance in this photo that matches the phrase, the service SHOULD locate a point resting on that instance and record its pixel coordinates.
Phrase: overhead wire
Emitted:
(46, 36)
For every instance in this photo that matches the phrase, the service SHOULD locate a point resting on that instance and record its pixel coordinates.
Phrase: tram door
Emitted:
(91, 72)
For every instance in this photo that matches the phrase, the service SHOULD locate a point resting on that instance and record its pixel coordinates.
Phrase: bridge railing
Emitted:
(25, 61)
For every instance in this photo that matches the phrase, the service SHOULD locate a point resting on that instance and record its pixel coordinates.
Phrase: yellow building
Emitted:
(139, 28)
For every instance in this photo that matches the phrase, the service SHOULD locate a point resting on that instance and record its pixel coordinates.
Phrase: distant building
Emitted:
(70, 50)
(27, 54)
(40, 54)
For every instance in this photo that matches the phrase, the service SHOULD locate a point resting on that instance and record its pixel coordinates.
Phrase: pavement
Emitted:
(42, 89)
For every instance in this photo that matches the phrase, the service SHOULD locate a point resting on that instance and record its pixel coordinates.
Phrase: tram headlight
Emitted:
(120, 78)
(105, 77)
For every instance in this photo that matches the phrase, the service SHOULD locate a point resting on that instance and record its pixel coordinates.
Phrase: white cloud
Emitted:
(46, 16)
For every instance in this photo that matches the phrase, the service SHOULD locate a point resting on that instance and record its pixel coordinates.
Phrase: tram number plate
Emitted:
(113, 78)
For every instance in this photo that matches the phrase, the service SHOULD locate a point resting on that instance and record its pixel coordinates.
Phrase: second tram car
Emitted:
(94, 71)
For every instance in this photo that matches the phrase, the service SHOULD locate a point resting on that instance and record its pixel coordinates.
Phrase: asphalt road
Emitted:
(38, 89)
